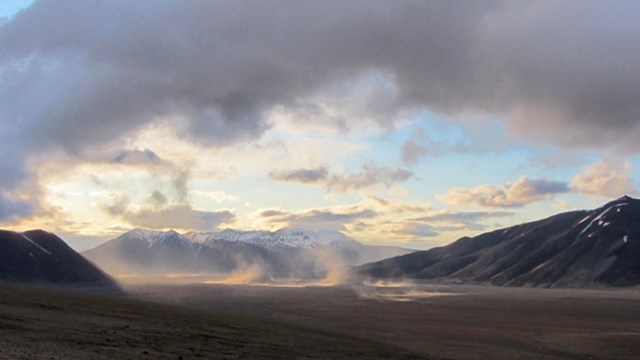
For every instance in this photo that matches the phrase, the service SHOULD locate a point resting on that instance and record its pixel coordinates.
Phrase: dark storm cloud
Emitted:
(77, 73)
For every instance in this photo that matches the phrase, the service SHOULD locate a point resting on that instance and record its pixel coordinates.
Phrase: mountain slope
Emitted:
(154, 252)
(284, 254)
(39, 256)
(298, 238)
(580, 248)
(345, 249)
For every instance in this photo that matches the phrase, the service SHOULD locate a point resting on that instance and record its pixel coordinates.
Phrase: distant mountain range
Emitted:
(284, 254)
(600, 247)
(41, 257)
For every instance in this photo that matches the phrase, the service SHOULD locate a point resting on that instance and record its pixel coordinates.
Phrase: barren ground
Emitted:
(460, 322)
(240, 322)
(45, 323)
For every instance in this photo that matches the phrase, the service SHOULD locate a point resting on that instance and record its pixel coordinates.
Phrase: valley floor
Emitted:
(442, 321)
(45, 323)
(341, 322)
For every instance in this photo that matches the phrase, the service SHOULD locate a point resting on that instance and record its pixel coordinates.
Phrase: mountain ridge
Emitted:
(582, 248)
(285, 253)
(37, 256)
(285, 237)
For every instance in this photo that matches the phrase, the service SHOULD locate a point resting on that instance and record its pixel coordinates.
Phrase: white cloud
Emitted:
(606, 178)
(518, 193)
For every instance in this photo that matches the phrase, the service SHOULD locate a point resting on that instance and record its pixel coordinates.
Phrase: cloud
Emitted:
(76, 74)
(175, 216)
(416, 230)
(217, 196)
(12, 208)
(273, 213)
(604, 178)
(445, 138)
(334, 219)
(158, 198)
(158, 214)
(450, 220)
(397, 207)
(147, 160)
(387, 221)
(119, 207)
(518, 193)
(305, 176)
(137, 157)
(371, 175)
(415, 147)
(462, 216)
(179, 216)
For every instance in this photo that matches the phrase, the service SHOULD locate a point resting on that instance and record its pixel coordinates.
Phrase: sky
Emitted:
(404, 123)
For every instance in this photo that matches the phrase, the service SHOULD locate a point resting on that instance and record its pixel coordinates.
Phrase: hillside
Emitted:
(42, 257)
(598, 247)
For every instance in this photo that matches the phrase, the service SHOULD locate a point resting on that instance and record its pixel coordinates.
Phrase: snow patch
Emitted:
(583, 220)
(540, 266)
(297, 238)
(599, 217)
(150, 237)
(36, 245)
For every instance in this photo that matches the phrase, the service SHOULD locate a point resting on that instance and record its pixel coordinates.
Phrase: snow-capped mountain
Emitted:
(148, 252)
(574, 249)
(39, 256)
(286, 253)
(295, 238)
(150, 238)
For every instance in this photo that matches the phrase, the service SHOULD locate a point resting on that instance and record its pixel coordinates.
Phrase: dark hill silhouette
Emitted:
(42, 257)
(599, 247)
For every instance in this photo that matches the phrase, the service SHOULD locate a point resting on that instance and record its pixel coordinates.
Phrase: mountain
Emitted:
(283, 254)
(39, 256)
(599, 247)
(297, 238)
(348, 250)
(149, 252)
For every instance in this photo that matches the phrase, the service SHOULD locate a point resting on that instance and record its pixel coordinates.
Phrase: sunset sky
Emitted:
(397, 122)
